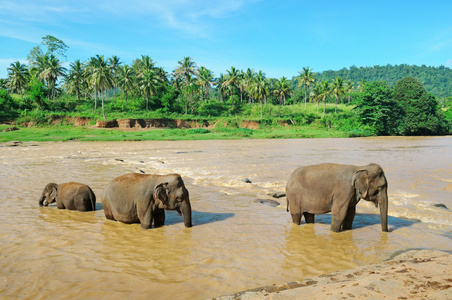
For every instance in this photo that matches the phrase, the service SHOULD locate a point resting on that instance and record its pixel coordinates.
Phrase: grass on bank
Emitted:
(86, 133)
(303, 123)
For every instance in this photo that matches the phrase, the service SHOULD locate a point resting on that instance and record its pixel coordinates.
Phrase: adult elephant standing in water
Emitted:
(143, 198)
(336, 188)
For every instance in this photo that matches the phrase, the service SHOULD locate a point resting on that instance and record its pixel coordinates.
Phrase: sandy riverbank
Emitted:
(415, 274)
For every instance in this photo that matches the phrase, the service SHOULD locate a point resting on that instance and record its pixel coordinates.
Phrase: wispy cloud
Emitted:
(188, 17)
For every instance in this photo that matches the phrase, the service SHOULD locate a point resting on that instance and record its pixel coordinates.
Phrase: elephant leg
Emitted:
(296, 218)
(339, 214)
(348, 221)
(145, 216)
(159, 217)
(107, 210)
(336, 224)
(81, 203)
(309, 218)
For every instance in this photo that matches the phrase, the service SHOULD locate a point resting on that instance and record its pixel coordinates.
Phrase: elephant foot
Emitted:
(336, 225)
(296, 218)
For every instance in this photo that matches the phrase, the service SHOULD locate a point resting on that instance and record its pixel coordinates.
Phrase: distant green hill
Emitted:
(437, 80)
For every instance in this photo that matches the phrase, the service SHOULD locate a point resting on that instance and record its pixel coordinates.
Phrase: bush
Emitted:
(8, 106)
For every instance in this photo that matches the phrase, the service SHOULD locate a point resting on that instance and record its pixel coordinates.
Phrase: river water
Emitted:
(235, 243)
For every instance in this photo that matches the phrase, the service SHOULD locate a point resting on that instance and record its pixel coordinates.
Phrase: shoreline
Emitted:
(413, 274)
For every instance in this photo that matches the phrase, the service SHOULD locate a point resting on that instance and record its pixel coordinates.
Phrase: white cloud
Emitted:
(190, 17)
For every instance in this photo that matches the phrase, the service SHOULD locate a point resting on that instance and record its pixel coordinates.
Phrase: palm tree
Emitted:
(306, 78)
(337, 90)
(315, 94)
(149, 82)
(282, 90)
(100, 78)
(126, 80)
(206, 79)
(114, 63)
(324, 94)
(52, 69)
(248, 78)
(18, 77)
(232, 81)
(348, 89)
(259, 89)
(220, 84)
(74, 80)
(4, 83)
(186, 68)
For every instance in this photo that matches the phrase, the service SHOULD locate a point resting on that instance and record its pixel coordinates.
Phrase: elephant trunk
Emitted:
(185, 209)
(383, 202)
(41, 200)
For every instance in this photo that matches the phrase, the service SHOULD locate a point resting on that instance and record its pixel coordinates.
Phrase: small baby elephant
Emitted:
(69, 195)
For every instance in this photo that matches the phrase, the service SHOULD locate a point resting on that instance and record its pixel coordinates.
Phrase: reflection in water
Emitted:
(235, 243)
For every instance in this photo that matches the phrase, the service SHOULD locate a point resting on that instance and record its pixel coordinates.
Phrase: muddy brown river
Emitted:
(235, 243)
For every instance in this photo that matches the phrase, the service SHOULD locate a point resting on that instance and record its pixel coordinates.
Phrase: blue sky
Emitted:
(278, 37)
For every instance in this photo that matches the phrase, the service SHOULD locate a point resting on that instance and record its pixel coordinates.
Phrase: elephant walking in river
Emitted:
(69, 195)
(336, 188)
(143, 198)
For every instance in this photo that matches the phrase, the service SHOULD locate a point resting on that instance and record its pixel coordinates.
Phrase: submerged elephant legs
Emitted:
(308, 217)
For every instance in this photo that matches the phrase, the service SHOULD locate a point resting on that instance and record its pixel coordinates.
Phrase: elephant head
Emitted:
(370, 184)
(48, 194)
(172, 195)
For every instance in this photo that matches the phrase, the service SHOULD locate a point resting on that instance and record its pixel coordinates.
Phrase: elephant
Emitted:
(69, 195)
(143, 198)
(336, 188)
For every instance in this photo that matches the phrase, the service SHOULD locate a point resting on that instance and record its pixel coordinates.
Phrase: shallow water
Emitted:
(235, 243)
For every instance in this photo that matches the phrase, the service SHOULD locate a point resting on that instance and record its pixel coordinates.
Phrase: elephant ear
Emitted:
(360, 182)
(161, 195)
(53, 193)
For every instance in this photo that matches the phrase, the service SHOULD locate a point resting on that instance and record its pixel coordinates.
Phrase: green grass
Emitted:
(84, 133)
(303, 123)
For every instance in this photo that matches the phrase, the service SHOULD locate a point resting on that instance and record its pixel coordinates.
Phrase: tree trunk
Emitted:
(335, 108)
(260, 100)
(103, 108)
(95, 101)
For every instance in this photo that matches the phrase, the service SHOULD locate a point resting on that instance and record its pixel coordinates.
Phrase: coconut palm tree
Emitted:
(348, 89)
(206, 80)
(220, 84)
(337, 90)
(248, 78)
(101, 78)
(325, 91)
(74, 79)
(114, 62)
(51, 70)
(18, 77)
(232, 81)
(187, 67)
(259, 89)
(306, 78)
(282, 90)
(315, 95)
(149, 83)
(3, 83)
(126, 80)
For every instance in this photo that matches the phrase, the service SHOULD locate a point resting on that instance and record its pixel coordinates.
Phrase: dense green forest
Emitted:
(399, 100)
(436, 80)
